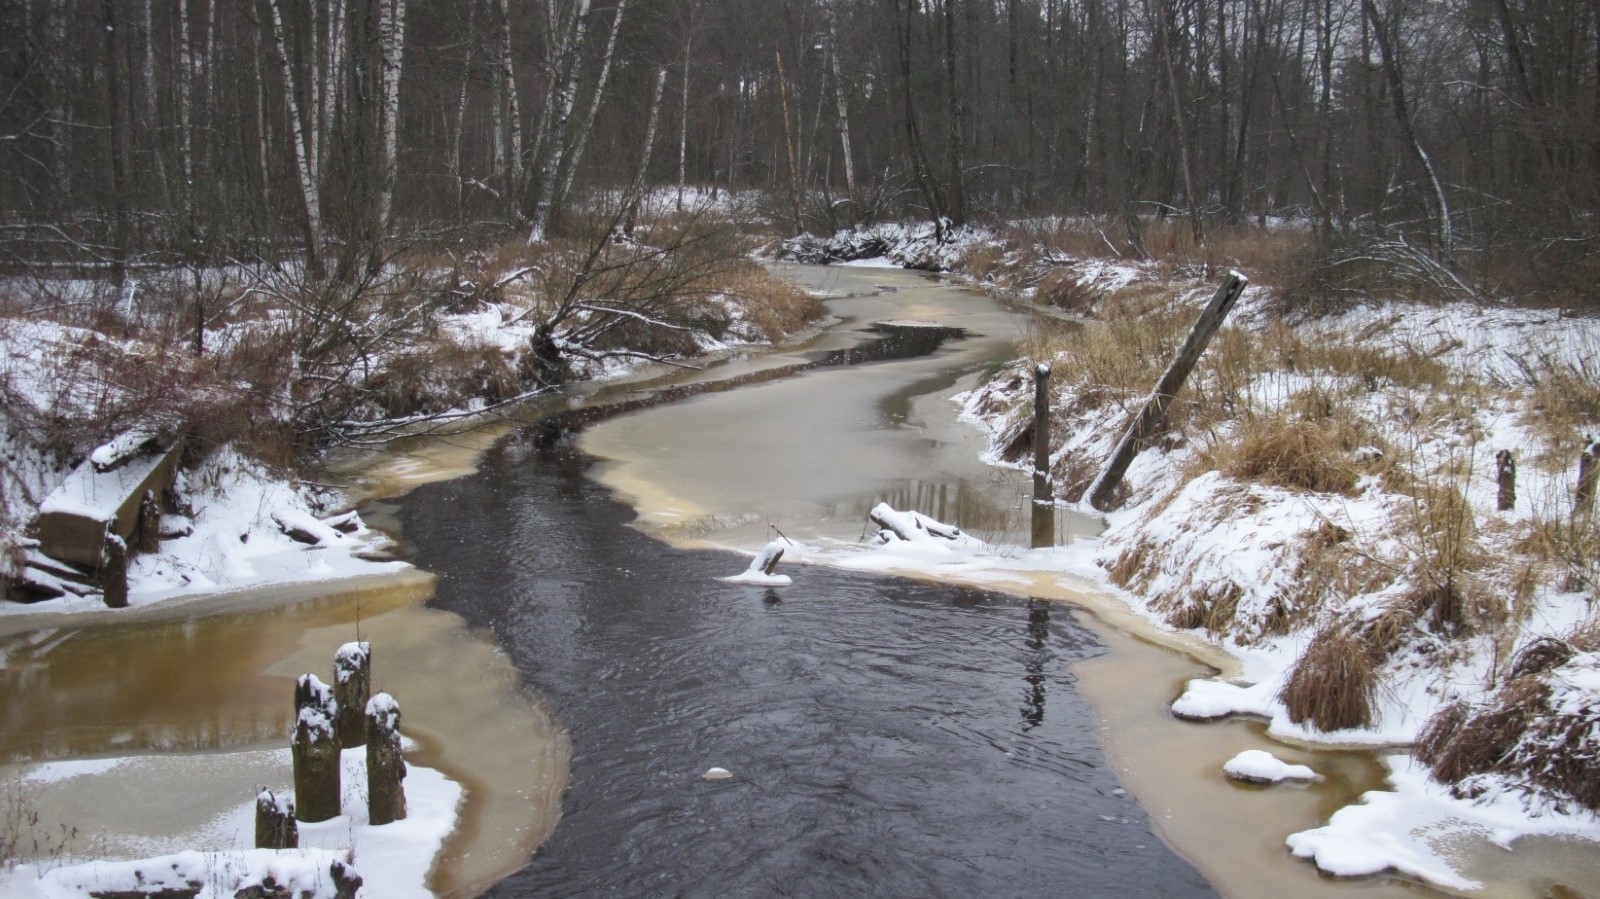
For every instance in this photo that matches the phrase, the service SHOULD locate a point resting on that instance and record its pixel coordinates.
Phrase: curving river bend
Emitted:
(887, 736)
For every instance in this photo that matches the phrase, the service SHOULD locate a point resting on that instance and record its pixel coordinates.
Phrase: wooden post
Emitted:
(1506, 473)
(1044, 501)
(1588, 470)
(352, 686)
(386, 797)
(114, 571)
(1041, 434)
(315, 750)
(275, 827)
(147, 533)
(1154, 413)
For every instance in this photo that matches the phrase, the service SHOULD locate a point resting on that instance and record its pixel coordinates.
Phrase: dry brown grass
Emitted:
(1334, 682)
(1520, 733)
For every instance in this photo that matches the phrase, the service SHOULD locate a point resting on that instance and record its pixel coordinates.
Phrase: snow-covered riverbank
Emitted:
(1324, 508)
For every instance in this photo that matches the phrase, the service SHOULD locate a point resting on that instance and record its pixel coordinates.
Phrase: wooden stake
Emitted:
(1154, 413)
(1506, 473)
(386, 797)
(1588, 470)
(352, 686)
(114, 571)
(1041, 434)
(315, 750)
(275, 826)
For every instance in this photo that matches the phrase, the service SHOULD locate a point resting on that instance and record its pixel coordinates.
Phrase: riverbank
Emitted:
(1324, 507)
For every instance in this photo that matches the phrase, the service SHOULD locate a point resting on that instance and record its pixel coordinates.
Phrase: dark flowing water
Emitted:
(887, 737)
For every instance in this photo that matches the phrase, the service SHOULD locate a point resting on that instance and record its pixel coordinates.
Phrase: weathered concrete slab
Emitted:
(96, 502)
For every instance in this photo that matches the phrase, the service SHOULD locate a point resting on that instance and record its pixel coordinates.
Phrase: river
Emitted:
(887, 736)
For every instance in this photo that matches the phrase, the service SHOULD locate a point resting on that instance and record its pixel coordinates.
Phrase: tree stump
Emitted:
(275, 826)
(345, 880)
(352, 687)
(1506, 474)
(316, 751)
(114, 572)
(386, 797)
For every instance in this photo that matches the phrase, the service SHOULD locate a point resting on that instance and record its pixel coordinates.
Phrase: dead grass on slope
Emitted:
(1523, 732)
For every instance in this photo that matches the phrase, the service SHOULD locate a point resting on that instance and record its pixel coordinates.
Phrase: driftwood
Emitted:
(386, 796)
(275, 824)
(1150, 419)
(768, 560)
(315, 750)
(352, 687)
(922, 522)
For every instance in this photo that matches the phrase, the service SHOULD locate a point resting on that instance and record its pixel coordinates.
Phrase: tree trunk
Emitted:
(1402, 115)
(122, 231)
(957, 210)
(795, 200)
(558, 114)
(683, 112)
(391, 38)
(919, 160)
(642, 172)
(304, 151)
(841, 104)
(576, 157)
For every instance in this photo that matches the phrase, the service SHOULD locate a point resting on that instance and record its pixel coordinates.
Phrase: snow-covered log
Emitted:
(911, 526)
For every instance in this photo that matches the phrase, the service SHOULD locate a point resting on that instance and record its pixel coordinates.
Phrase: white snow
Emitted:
(1260, 766)
(393, 859)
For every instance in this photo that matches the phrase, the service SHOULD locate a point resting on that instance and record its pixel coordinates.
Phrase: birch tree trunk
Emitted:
(576, 156)
(642, 172)
(391, 37)
(305, 156)
(507, 152)
(840, 102)
(683, 111)
(559, 115)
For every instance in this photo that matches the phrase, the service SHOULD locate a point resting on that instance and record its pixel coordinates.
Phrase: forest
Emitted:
(1459, 140)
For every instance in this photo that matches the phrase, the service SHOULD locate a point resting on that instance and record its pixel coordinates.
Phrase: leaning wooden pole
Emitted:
(1154, 413)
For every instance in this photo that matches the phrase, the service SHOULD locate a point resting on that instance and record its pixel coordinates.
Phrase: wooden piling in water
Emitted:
(315, 750)
(275, 825)
(386, 795)
(1505, 468)
(352, 687)
(1102, 491)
